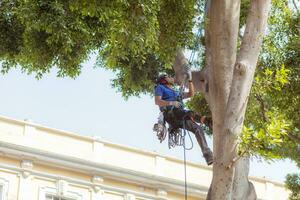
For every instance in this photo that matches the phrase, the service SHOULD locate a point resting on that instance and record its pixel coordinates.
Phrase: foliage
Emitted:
(136, 39)
(274, 106)
(272, 125)
(293, 184)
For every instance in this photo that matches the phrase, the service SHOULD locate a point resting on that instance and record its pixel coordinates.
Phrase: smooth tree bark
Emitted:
(229, 72)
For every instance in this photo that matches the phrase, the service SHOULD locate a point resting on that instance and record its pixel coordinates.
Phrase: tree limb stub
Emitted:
(178, 66)
(199, 78)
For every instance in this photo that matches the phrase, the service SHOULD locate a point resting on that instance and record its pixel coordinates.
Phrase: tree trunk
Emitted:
(223, 31)
(230, 77)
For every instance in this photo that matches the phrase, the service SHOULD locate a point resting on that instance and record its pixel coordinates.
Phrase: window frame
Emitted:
(4, 184)
(70, 195)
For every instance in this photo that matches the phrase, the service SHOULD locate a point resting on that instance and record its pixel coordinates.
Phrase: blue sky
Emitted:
(89, 106)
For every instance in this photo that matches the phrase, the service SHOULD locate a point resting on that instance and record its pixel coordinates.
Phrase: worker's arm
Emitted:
(191, 91)
(160, 102)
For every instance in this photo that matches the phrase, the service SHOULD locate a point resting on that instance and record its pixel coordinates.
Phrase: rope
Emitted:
(184, 158)
(185, 181)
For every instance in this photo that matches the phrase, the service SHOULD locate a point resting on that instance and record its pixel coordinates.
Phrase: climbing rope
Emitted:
(184, 158)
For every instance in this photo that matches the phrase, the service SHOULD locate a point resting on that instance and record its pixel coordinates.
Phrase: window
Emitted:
(52, 193)
(53, 197)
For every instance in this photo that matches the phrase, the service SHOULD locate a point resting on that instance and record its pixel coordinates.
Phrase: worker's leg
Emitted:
(196, 129)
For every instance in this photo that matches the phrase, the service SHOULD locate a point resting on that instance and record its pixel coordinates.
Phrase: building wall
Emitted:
(37, 160)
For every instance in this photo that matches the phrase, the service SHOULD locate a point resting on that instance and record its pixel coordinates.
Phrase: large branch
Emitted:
(242, 81)
(246, 62)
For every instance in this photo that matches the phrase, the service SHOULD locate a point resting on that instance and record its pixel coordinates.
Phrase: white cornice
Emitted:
(95, 138)
(92, 139)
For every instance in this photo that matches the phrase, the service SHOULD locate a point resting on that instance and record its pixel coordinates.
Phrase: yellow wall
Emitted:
(34, 159)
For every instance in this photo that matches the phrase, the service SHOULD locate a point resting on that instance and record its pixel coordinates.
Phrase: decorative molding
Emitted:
(27, 164)
(162, 194)
(97, 179)
(104, 188)
(62, 187)
(26, 174)
(96, 189)
(129, 196)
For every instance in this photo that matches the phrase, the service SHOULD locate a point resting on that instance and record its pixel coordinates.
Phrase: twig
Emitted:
(235, 159)
(262, 105)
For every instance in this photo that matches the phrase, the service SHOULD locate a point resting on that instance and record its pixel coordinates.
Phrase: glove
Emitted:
(174, 103)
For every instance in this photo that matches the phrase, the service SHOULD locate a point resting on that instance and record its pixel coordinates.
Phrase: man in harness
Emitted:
(170, 104)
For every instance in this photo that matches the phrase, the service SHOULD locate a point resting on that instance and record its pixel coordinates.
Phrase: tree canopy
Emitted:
(136, 39)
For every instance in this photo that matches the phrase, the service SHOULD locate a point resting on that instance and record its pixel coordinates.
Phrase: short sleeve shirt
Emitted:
(166, 93)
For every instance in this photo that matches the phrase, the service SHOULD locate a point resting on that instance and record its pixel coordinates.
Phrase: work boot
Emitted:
(208, 155)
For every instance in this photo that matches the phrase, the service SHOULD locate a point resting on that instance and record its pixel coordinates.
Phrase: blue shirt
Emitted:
(166, 93)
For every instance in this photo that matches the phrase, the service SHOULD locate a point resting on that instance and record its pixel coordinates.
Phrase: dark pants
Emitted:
(176, 117)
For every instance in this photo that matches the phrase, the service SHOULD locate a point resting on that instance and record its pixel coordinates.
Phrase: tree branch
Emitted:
(262, 106)
(295, 5)
(294, 138)
(242, 79)
(246, 60)
(254, 31)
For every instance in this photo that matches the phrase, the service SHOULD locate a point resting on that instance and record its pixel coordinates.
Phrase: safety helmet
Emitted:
(161, 79)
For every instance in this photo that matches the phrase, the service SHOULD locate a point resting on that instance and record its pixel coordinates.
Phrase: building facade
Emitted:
(41, 163)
